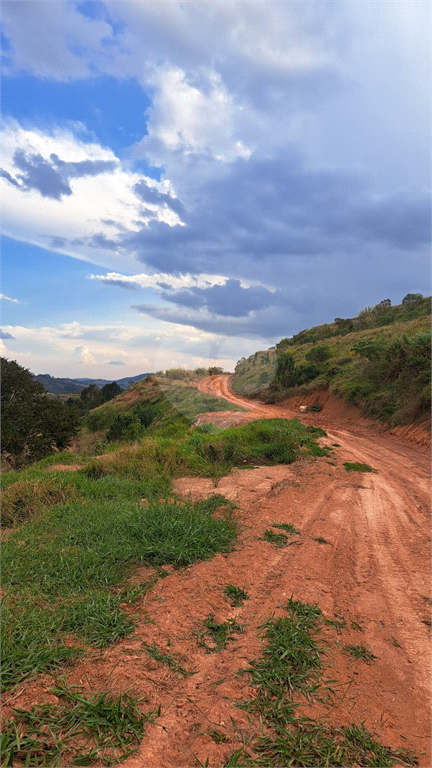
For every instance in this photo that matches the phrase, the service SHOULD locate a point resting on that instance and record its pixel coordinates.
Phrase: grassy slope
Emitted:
(157, 403)
(344, 373)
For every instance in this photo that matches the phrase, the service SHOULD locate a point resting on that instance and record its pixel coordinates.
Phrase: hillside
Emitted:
(379, 361)
(162, 404)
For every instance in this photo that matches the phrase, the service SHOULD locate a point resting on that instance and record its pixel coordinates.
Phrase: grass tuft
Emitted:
(357, 467)
(171, 660)
(219, 634)
(235, 595)
(361, 652)
(288, 527)
(277, 539)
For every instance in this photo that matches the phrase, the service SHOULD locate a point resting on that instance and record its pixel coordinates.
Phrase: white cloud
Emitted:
(87, 223)
(162, 280)
(139, 349)
(191, 120)
(83, 355)
(8, 298)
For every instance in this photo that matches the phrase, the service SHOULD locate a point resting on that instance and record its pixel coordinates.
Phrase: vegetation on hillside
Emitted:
(379, 360)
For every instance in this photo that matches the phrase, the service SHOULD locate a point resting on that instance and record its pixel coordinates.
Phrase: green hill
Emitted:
(167, 404)
(379, 361)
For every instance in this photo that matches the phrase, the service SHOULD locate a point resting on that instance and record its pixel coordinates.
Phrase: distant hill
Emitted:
(58, 386)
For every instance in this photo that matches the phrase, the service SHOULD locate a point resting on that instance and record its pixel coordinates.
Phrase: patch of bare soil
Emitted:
(362, 554)
(223, 419)
(64, 468)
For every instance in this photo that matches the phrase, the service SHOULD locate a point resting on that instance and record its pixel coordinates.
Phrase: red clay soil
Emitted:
(373, 570)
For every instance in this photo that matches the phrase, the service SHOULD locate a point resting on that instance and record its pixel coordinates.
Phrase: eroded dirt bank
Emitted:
(362, 554)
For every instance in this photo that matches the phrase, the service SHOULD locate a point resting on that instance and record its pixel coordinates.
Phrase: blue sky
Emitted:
(187, 182)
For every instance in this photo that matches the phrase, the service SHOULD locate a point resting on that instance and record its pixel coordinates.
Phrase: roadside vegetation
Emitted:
(379, 361)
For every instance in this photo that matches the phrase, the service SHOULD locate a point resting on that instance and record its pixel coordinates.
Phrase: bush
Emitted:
(125, 426)
(318, 354)
(411, 299)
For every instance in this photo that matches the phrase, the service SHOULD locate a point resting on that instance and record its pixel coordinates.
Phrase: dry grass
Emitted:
(25, 499)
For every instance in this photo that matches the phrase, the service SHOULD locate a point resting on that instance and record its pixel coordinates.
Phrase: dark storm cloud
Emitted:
(230, 300)
(51, 179)
(267, 324)
(39, 174)
(82, 168)
(277, 207)
(154, 197)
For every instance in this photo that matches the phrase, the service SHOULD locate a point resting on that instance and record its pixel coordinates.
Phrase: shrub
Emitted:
(318, 354)
(125, 426)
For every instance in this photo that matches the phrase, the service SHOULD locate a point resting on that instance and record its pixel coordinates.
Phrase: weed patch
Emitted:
(277, 539)
(235, 595)
(288, 527)
(321, 540)
(78, 731)
(357, 467)
(219, 634)
(171, 660)
(360, 652)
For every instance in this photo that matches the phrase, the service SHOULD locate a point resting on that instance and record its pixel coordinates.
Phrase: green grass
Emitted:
(171, 660)
(277, 539)
(288, 527)
(291, 667)
(357, 467)
(314, 744)
(60, 572)
(77, 535)
(78, 731)
(217, 736)
(235, 595)
(218, 634)
(361, 652)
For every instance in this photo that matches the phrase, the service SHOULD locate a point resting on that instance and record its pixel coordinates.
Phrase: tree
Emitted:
(285, 372)
(91, 396)
(33, 424)
(110, 391)
(412, 298)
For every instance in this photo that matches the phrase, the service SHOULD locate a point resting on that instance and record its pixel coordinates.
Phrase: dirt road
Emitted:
(378, 563)
(362, 554)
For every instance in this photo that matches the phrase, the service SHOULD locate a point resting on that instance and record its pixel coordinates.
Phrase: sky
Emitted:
(184, 183)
